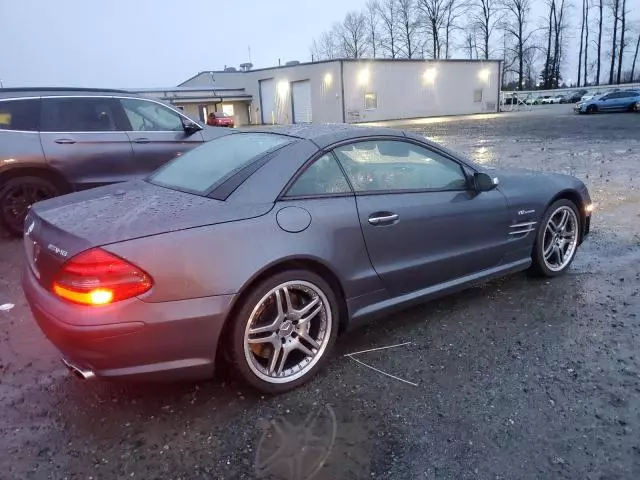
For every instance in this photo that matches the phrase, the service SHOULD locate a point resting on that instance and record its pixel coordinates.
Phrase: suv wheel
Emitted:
(17, 196)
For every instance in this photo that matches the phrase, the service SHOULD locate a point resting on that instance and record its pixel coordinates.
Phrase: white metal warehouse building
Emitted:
(338, 91)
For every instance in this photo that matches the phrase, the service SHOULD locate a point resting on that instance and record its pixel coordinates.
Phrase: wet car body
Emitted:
(205, 253)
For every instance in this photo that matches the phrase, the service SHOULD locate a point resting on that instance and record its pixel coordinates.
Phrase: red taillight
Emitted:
(96, 277)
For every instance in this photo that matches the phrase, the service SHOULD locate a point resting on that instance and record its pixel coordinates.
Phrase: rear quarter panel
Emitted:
(223, 259)
(20, 149)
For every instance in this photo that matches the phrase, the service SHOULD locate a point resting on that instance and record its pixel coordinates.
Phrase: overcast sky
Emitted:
(152, 43)
(160, 43)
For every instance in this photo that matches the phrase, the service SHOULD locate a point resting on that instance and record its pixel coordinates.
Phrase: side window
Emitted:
(147, 116)
(389, 165)
(80, 114)
(21, 115)
(323, 177)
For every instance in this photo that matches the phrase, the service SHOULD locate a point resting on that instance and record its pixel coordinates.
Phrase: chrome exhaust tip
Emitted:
(81, 373)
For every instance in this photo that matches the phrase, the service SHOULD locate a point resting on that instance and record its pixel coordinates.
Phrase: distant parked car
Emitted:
(220, 119)
(620, 101)
(55, 141)
(551, 100)
(573, 97)
(597, 94)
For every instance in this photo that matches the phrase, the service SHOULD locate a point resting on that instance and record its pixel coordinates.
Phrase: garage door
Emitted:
(302, 102)
(268, 101)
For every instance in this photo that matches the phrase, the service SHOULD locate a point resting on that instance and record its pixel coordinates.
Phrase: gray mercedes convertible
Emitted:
(266, 244)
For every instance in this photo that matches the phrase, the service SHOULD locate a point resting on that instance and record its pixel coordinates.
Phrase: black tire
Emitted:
(235, 342)
(539, 267)
(592, 109)
(16, 197)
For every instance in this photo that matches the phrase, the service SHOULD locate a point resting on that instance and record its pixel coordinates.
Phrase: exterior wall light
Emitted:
(283, 89)
(484, 74)
(430, 75)
(328, 80)
(363, 77)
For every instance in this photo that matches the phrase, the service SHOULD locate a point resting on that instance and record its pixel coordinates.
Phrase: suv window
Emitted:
(79, 114)
(396, 166)
(21, 115)
(204, 167)
(323, 177)
(147, 116)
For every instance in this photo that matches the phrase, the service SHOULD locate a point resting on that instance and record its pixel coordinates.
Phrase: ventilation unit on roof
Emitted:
(245, 67)
(231, 69)
(292, 63)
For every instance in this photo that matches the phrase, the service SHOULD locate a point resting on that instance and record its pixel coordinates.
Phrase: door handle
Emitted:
(65, 141)
(383, 219)
(141, 140)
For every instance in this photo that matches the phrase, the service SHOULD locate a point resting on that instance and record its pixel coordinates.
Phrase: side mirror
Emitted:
(190, 128)
(483, 182)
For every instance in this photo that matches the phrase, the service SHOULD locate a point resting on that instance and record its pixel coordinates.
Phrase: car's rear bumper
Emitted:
(132, 339)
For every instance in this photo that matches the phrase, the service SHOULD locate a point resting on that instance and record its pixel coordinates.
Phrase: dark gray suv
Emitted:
(55, 141)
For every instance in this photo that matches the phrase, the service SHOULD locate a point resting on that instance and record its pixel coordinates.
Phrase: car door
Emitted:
(157, 133)
(422, 223)
(83, 138)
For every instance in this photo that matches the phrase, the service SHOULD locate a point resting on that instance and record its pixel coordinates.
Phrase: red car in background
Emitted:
(220, 119)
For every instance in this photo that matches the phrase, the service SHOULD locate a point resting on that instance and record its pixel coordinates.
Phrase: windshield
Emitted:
(202, 168)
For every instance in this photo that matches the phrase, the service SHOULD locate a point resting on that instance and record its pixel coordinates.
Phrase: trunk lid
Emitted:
(59, 228)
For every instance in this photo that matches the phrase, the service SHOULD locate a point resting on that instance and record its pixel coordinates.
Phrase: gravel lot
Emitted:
(517, 379)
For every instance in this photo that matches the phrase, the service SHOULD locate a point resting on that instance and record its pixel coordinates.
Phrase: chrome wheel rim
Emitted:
(288, 332)
(560, 239)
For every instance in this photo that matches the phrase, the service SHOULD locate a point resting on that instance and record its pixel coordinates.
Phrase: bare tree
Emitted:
(635, 57)
(408, 23)
(548, 69)
(326, 47)
(453, 9)
(614, 5)
(388, 12)
(471, 40)
(517, 20)
(485, 14)
(372, 19)
(434, 16)
(559, 26)
(582, 46)
(353, 35)
(623, 27)
(599, 43)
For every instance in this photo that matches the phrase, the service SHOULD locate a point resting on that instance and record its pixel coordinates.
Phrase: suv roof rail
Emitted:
(60, 89)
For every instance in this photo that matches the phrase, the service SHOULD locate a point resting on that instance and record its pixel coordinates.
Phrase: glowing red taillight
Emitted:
(96, 277)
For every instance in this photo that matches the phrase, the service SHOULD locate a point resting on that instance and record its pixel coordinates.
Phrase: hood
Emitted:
(134, 209)
(534, 178)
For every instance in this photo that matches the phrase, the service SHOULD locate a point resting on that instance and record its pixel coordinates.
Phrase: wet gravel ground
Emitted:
(517, 379)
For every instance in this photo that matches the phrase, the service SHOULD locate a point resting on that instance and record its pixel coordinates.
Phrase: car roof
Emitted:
(327, 134)
(58, 91)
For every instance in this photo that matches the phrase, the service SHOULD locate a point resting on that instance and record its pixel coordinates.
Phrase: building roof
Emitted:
(353, 60)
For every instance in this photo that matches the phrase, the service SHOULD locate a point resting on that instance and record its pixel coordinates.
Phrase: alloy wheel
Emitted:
(288, 332)
(560, 238)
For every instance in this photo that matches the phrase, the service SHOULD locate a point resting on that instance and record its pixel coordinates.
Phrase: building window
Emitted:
(228, 109)
(477, 95)
(370, 101)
